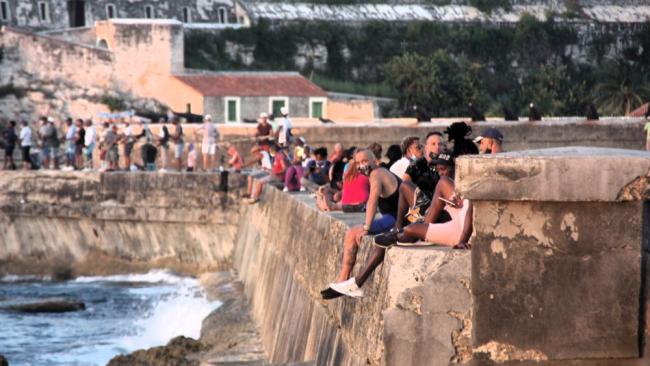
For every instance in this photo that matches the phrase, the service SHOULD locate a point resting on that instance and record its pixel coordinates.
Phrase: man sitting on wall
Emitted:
(317, 172)
(384, 195)
(490, 141)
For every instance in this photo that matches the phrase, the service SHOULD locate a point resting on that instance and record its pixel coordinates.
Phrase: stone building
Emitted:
(144, 58)
(58, 14)
(239, 96)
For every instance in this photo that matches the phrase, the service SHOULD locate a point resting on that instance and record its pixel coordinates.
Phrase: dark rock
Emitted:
(3, 361)
(61, 274)
(173, 354)
(52, 305)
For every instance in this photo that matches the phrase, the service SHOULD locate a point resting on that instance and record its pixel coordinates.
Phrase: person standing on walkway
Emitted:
(10, 138)
(179, 143)
(25, 145)
(90, 140)
(210, 136)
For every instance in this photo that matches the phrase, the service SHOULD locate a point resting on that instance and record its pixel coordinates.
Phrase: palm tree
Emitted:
(622, 91)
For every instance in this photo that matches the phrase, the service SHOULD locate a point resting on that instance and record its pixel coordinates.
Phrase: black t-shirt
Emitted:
(10, 137)
(81, 137)
(149, 153)
(423, 175)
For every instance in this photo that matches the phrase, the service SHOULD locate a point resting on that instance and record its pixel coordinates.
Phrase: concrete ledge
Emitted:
(566, 174)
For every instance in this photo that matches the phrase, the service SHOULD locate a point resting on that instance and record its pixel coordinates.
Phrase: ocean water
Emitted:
(123, 313)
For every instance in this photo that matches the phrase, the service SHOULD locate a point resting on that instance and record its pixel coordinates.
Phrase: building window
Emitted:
(276, 103)
(110, 11)
(43, 11)
(187, 15)
(148, 12)
(317, 107)
(223, 18)
(4, 11)
(232, 110)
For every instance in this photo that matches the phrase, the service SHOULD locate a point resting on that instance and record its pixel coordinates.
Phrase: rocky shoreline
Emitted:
(228, 334)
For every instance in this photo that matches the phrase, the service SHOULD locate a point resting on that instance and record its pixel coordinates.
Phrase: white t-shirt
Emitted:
(399, 167)
(266, 160)
(210, 133)
(286, 126)
(26, 136)
(91, 136)
(70, 134)
(128, 133)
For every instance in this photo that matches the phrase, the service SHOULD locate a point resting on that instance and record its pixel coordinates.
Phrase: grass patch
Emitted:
(365, 88)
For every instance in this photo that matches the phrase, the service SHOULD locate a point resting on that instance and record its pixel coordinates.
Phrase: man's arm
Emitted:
(371, 205)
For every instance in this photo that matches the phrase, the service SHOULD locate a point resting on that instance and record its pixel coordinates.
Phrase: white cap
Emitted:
(50, 119)
(284, 110)
(264, 115)
(208, 117)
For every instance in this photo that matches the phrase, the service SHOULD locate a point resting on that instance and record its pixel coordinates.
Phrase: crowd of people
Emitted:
(411, 186)
(78, 144)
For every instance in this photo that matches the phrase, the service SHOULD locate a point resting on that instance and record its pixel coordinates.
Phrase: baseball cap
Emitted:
(208, 117)
(491, 133)
(264, 115)
(444, 158)
(284, 110)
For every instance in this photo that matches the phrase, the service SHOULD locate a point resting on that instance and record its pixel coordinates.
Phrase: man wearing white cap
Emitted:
(264, 130)
(490, 141)
(284, 134)
(209, 142)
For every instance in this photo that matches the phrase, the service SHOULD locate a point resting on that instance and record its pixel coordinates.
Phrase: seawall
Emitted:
(93, 223)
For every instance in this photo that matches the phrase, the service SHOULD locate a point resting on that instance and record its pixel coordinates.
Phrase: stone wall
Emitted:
(558, 269)
(114, 223)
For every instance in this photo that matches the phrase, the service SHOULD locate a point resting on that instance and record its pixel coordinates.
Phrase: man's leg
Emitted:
(350, 248)
(406, 193)
(413, 233)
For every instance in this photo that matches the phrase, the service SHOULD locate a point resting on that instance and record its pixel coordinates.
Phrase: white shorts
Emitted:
(209, 149)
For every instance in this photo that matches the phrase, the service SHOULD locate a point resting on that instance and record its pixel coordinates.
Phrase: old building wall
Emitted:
(49, 58)
(147, 52)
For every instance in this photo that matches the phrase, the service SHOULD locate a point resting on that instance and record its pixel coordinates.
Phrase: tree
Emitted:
(622, 90)
(440, 84)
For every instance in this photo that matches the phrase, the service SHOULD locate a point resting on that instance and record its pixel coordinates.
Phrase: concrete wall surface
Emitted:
(558, 271)
(113, 223)
(416, 308)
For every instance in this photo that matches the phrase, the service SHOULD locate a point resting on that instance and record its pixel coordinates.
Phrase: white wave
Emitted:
(180, 313)
(26, 278)
(153, 276)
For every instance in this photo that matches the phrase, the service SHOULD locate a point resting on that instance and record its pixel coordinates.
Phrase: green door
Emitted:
(232, 111)
(316, 109)
(277, 105)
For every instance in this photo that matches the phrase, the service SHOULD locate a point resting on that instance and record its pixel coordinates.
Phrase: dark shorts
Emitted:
(128, 148)
(25, 153)
(9, 150)
(382, 224)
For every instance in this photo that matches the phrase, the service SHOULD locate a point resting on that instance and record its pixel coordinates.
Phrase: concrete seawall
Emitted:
(558, 274)
(113, 223)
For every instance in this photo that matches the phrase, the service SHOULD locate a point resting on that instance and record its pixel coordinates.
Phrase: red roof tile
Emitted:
(639, 112)
(252, 84)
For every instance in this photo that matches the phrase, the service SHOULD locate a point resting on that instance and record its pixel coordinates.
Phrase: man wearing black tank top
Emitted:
(384, 197)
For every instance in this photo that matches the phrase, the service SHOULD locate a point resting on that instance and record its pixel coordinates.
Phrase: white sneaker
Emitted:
(285, 189)
(162, 170)
(347, 288)
(302, 189)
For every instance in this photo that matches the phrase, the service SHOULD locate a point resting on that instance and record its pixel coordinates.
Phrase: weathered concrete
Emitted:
(109, 223)
(289, 251)
(557, 265)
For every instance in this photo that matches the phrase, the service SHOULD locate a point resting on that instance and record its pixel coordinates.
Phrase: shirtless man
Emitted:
(384, 195)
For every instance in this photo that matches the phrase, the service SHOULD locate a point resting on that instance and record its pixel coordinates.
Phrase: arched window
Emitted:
(187, 15)
(102, 43)
(223, 15)
(4, 11)
(110, 11)
(148, 12)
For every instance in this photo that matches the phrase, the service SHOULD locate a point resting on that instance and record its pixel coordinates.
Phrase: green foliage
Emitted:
(621, 89)
(487, 6)
(441, 67)
(114, 104)
(441, 84)
(342, 86)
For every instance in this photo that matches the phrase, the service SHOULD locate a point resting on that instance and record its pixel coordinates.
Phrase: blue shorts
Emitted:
(382, 224)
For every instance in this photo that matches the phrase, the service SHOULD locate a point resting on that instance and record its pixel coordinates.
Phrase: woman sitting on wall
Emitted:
(454, 233)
